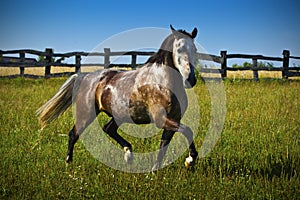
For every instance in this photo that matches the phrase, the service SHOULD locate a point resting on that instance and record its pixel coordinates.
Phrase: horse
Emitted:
(153, 93)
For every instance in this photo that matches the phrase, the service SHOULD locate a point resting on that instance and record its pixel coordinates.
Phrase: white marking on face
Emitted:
(184, 51)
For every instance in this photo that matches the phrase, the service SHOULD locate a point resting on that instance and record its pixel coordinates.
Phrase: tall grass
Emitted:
(256, 157)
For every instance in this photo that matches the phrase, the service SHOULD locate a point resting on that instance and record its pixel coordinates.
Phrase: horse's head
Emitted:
(184, 53)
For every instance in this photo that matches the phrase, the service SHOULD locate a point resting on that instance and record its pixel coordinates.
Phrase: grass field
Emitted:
(256, 157)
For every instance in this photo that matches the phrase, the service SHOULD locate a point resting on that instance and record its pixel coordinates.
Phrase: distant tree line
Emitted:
(260, 64)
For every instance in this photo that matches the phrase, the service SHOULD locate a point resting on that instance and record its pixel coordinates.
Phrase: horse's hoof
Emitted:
(189, 161)
(128, 156)
(155, 167)
(68, 159)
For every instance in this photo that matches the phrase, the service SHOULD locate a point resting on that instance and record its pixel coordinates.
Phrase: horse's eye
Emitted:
(181, 49)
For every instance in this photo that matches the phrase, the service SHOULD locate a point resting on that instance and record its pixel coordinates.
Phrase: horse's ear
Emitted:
(172, 28)
(194, 33)
(174, 32)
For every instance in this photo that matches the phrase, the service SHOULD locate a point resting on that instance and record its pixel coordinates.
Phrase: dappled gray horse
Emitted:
(154, 93)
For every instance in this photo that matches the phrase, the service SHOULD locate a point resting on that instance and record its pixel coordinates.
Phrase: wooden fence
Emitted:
(51, 59)
(285, 69)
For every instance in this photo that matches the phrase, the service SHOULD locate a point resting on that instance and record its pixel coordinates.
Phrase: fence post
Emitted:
(223, 64)
(48, 59)
(77, 64)
(133, 61)
(106, 57)
(22, 60)
(254, 69)
(285, 64)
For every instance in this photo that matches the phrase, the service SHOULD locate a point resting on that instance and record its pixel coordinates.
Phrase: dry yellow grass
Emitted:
(5, 71)
(249, 74)
(40, 71)
(245, 74)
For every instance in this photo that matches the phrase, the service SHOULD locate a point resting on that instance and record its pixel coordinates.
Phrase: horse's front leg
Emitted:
(165, 141)
(111, 129)
(187, 132)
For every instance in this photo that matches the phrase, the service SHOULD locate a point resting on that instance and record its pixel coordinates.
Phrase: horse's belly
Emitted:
(139, 113)
(129, 112)
(123, 108)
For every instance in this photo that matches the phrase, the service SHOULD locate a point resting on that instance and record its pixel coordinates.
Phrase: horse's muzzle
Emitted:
(191, 80)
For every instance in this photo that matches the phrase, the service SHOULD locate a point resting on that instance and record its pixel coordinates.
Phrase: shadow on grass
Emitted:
(282, 168)
(273, 167)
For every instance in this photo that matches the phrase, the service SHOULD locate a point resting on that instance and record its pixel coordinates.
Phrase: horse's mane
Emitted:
(164, 54)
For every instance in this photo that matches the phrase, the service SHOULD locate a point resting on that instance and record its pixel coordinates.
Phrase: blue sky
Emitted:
(257, 27)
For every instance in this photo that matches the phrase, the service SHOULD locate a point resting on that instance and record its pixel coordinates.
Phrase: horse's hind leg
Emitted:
(85, 115)
(111, 128)
(73, 137)
(86, 112)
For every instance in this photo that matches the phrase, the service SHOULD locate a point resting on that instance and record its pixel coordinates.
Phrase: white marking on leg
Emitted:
(128, 156)
(189, 161)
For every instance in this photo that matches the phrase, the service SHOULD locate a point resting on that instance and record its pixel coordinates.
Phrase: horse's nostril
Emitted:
(186, 58)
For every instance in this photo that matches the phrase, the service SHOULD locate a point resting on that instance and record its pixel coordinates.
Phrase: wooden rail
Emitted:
(52, 59)
(285, 69)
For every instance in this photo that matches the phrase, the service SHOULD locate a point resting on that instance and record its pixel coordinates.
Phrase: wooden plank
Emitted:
(208, 57)
(130, 53)
(258, 57)
(28, 51)
(106, 57)
(250, 68)
(211, 71)
(22, 60)
(254, 69)
(120, 65)
(92, 65)
(285, 64)
(293, 74)
(77, 64)
(294, 68)
(224, 63)
(133, 61)
(295, 57)
(48, 59)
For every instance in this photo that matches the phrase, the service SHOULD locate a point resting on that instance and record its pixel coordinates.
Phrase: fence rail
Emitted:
(51, 59)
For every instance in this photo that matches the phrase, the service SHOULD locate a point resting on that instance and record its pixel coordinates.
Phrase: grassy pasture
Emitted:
(256, 157)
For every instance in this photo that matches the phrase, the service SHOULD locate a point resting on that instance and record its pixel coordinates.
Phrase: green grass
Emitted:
(256, 157)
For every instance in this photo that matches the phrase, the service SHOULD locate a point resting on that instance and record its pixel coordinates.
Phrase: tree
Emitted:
(247, 64)
(267, 65)
(43, 59)
(236, 66)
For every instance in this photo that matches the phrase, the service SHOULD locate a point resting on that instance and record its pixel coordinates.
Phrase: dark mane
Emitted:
(184, 32)
(164, 54)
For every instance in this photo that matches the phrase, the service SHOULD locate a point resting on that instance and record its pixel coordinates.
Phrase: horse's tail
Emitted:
(58, 104)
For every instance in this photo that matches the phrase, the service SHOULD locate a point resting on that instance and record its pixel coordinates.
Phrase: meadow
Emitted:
(256, 157)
